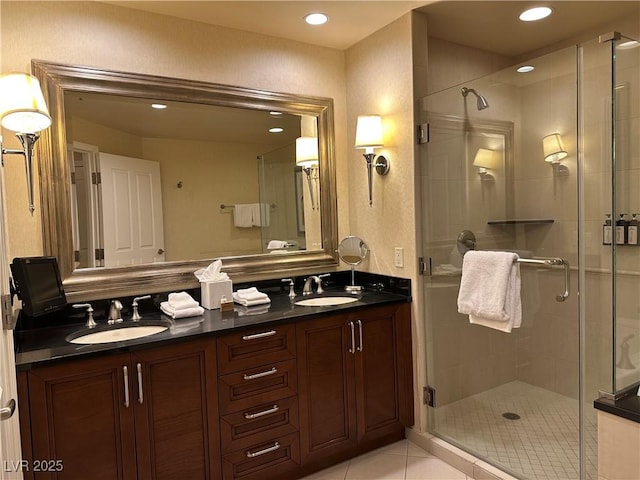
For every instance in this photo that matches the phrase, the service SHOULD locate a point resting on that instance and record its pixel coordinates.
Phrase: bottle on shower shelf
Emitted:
(621, 230)
(632, 230)
(606, 230)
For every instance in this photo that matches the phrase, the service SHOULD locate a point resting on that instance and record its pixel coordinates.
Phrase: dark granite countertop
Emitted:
(628, 406)
(41, 346)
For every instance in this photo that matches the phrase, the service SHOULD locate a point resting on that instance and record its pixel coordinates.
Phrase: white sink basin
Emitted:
(117, 334)
(325, 301)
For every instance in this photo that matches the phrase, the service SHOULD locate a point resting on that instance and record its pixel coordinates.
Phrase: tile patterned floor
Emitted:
(541, 445)
(399, 461)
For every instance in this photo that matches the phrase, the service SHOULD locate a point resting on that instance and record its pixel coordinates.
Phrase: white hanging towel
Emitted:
(243, 215)
(490, 289)
(260, 214)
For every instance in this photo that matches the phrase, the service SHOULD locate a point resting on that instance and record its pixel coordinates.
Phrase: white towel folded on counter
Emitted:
(256, 310)
(181, 312)
(250, 296)
(180, 300)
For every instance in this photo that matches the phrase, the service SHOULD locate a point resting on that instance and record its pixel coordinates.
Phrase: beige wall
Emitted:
(113, 37)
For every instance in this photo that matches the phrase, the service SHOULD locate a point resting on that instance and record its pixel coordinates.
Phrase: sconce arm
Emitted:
(28, 140)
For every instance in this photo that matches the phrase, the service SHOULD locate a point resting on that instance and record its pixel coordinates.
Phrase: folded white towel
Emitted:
(243, 215)
(180, 300)
(490, 289)
(275, 244)
(249, 303)
(250, 294)
(181, 312)
(257, 310)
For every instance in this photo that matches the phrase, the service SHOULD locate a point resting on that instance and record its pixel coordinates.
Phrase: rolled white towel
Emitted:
(181, 300)
(182, 312)
(276, 244)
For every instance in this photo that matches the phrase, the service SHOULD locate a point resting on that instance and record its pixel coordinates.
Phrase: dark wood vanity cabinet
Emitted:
(355, 382)
(144, 415)
(261, 403)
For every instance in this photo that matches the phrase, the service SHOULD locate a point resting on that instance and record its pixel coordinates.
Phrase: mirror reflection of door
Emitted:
(86, 215)
(132, 207)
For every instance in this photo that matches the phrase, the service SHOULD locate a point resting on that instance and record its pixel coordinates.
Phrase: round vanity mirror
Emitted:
(352, 251)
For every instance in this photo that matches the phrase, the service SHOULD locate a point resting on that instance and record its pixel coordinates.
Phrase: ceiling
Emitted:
(488, 25)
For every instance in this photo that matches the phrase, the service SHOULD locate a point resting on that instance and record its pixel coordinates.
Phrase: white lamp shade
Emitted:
(369, 132)
(553, 148)
(22, 105)
(306, 151)
(486, 158)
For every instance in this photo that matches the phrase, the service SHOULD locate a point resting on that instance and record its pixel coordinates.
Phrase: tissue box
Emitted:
(212, 292)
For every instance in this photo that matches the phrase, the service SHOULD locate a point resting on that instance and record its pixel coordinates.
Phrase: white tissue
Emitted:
(211, 273)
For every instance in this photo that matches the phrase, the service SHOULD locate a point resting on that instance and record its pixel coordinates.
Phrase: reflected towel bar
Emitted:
(223, 206)
(549, 262)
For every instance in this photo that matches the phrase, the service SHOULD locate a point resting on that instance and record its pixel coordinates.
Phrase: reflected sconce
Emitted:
(485, 160)
(369, 137)
(307, 158)
(553, 150)
(24, 111)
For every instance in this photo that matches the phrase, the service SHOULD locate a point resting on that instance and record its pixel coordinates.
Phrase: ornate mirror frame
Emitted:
(93, 283)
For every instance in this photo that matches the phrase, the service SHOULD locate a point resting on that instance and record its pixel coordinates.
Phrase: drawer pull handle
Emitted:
(261, 374)
(273, 448)
(360, 347)
(259, 335)
(251, 416)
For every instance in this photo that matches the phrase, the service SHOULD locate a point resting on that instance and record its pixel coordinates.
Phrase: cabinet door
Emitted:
(376, 373)
(80, 416)
(176, 426)
(325, 387)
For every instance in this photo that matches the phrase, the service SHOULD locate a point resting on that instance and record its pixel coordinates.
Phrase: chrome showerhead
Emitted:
(482, 102)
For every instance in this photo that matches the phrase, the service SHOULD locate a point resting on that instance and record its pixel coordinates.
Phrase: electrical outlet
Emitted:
(398, 257)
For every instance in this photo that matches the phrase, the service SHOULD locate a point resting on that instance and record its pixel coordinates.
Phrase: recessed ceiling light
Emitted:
(536, 13)
(316, 18)
(525, 69)
(275, 113)
(158, 106)
(276, 130)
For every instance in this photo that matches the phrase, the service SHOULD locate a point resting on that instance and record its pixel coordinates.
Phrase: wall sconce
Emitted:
(553, 150)
(307, 158)
(24, 111)
(369, 137)
(485, 160)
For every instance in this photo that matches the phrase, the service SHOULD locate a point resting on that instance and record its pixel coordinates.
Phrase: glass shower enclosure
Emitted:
(527, 162)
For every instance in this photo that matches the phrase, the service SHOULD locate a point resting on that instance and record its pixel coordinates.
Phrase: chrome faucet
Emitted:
(114, 312)
(136, 316)
(308, 284)
(90, 321)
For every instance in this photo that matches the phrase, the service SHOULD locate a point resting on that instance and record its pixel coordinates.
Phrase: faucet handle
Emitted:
(136, 316)
(320, 277)
(90, 321)
(292, 292)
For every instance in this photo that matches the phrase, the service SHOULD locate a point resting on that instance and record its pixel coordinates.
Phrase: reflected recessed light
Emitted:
(276, 130)
(628, 44)
(158, 106)
(316, 19)
(533, 14)
(525, 69)
(275, 113)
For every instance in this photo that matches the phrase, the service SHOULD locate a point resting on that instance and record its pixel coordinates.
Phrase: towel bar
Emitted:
(551, 262)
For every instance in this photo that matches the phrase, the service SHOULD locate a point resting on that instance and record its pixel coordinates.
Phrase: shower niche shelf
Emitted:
(528, 221)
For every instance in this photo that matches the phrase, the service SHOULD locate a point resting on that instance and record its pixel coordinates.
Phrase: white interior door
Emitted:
(132, 210)
(10, 451)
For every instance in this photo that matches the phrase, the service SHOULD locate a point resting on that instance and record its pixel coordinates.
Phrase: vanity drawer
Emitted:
(258, 424)
(257, 386)
(255, 347)
(266, 460)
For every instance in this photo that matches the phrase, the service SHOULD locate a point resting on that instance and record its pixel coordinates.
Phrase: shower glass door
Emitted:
(511, 399)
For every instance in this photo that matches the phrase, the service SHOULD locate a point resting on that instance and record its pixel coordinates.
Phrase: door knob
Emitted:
(6, 412)
(160, 251)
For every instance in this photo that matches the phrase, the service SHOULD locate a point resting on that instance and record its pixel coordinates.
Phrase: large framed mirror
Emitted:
(182, 181)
